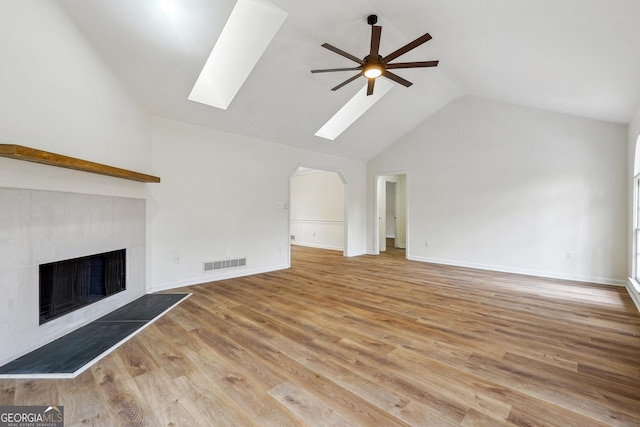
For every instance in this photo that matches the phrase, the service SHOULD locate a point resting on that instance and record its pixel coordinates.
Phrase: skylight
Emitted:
(250, 28)
(352, 110)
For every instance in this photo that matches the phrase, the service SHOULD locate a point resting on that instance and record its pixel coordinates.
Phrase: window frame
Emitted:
(635, 229)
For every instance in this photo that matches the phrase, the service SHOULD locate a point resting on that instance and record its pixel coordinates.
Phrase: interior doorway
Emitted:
(317, 209)
(391, 212)
(391, 217)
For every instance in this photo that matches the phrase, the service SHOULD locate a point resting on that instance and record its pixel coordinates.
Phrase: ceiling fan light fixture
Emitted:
(375, 65)
(372, 71)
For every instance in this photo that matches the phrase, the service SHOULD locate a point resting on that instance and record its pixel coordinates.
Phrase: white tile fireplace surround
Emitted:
(38, 227)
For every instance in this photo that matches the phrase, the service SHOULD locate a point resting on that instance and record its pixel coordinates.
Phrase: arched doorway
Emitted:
(317, 214)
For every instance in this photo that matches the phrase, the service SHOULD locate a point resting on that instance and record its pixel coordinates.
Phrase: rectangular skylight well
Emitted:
(248, 31)
(352, 110)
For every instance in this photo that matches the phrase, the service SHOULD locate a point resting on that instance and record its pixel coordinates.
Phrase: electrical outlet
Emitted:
(426, 243)
(569, 255)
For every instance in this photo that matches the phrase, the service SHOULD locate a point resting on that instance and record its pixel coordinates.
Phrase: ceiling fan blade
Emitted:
(406, 48)
(412, 64)
(370, 85)
(330, 70)
(376, 32)
(396, 78)
(346, 82)
(342, 53)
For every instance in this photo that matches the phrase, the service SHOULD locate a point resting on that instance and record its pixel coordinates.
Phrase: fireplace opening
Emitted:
(71, 284)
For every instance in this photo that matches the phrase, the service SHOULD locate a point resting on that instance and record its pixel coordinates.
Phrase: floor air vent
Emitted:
(223, 264)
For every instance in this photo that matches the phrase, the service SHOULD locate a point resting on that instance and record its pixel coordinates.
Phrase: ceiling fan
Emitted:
(374, 65)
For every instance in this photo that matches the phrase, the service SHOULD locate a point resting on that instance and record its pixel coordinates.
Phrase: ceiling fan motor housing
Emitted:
(374, 65)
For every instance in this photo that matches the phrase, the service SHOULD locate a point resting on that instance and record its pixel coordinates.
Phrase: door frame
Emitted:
(380, 181)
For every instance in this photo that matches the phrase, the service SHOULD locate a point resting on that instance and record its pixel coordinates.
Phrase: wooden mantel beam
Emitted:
(28, 154)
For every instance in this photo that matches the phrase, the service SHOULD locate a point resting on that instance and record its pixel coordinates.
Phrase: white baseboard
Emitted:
(355, 254)
(317, 246)
(526, 272)
(205, 278)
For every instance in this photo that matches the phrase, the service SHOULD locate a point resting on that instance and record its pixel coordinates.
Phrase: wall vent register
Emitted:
(224, 264)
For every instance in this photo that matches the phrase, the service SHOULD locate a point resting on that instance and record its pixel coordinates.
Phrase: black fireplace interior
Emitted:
(68, 285)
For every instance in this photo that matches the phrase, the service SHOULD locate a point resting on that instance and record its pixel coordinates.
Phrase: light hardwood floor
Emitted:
(368, 341)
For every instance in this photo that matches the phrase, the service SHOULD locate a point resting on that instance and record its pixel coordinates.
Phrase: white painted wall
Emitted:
(224, 195)
(317, 210)
(57, 95)
(508, 188)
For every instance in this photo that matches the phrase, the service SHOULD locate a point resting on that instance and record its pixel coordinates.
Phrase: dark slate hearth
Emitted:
(145, 308)
(69, 354)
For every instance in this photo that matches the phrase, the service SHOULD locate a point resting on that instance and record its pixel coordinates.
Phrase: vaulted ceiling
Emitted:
(578, 57)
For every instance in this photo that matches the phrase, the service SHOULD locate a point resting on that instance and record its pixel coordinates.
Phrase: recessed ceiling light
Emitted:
(352, 110)
(249, 30)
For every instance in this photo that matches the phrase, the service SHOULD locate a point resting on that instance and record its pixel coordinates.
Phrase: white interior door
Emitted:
(382, 214)
(391, 210)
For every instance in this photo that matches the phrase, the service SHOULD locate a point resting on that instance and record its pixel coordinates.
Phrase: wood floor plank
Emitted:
(560, 390)
(7, 392)
(84, 402)
(368, 341)
(166, 355)
(245, 383)
(137, 358)
(475, 418)
(360, 411)
(36, 392)
(209, 405)
(307, 406)
(158, 387)
(123, 399)
(321, 358)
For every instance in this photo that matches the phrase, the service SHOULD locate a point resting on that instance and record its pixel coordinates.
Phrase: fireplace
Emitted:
(38, 227)
(71, 284)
